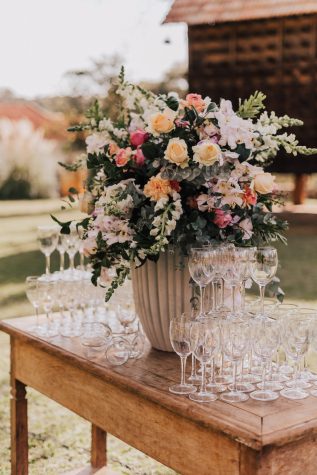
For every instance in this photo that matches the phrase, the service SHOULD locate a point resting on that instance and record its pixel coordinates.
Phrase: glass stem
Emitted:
(193, 372)
(222, 292)
(262, 293)
(296, 371)
(183, 366)
(235, 369)
(233, 291)
(71, 262)
(202, 295)
(242, 290)
(47, 262)
(212, 379)
(213, 283)
(250, 356)
(82, 260)
(61, 261)
(263, 375)
(222, 363)
(37, 317)
(203, 378)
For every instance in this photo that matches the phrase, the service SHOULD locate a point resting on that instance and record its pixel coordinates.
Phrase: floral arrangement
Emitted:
(174, 172)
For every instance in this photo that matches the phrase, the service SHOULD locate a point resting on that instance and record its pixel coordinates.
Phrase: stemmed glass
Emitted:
(205, 342)
(71, 246)
(61, 249)
(47, 293)
(33, 294)
(249, 256)
(47, 237)
(126, 313)
(235, 338)
(234, 263)
(180, 337)
(296, 337)
(266, 339)
(201, 270)
(81, 246)
(263, 268)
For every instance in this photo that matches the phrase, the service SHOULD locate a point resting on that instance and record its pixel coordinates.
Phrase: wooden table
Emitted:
(132, 402)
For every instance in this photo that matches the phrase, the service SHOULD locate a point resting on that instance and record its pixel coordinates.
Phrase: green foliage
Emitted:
(251, 107)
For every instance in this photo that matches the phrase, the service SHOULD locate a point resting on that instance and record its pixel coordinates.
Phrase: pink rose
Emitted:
(123, 156)
(222, 218)
(138, 137)
(195, 100)
(139, 158)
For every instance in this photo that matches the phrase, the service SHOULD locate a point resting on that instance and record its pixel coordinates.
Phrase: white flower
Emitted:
(205, 202)
(207, 153)
(96, 142)
(247, 227)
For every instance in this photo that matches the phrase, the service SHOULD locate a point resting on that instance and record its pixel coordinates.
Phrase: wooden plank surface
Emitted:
(252, 423)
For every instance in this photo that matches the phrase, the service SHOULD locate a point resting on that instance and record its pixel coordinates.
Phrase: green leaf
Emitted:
(251, 107)
(73, 191)
(211, 107)
(65, 227)
(172, 103)
(150, 150)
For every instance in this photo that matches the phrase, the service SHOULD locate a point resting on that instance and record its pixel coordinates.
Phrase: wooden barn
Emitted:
(239, 46)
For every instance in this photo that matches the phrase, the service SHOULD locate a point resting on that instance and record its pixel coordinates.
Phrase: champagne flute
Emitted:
(62, 250)
(201, 270)
(71, 246)
(179, 331)
(47, 237)
(263, 268)
(33, 295)
(47, 292)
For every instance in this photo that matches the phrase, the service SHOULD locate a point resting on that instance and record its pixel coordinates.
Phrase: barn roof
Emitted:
(196, 12)
(52, 123)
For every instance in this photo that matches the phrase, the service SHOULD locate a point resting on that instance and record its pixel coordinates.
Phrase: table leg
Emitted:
(98, 447)
(19, 428)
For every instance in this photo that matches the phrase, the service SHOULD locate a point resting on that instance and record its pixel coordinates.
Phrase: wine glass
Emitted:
(263, 268)
(205, 342)
(201, 270)
(180, 331)
(296, 337)
(234, 260)
(81, 246)
(266, 338)
(47, 295)
(61, 249)
(248, 256)
(126, 313)
(235, 338)
(47, 237)
(71, 246)
(33, 295)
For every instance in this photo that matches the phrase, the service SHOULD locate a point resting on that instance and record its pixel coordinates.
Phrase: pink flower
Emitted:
(182, 123)
(195, 100)
(138, 137)
(222, 218)
(246, 227)
(139, 158)
(249, 197)
(123, 156)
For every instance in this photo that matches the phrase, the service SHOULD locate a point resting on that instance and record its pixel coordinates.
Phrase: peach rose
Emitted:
(157, 188)
(195, 100)
(176, 152)
(249, 197)
(206, 153)
(222, 219)
(123, 156)
(263, 183)
(113, 148)
(162, 122)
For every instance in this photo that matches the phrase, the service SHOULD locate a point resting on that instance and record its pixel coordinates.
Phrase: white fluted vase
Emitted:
(161, 291)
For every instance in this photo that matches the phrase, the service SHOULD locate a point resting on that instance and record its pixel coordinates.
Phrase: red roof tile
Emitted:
(196, 12)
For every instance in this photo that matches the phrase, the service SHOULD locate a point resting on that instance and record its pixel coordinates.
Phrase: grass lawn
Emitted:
(59, 440)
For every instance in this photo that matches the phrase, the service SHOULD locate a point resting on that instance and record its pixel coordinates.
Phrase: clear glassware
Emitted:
(71, 243)
(47, 237)
(306, 375)
(266, 338)
(33, 294)
(205, 342)
(62, 250)
(47, 293)
(118, 351)
(235, 337)
(95, 334)
(126, 313)
(263, 269)
(234, 260)
(71, 288)
(249, 256)
(180, 337)
(81, 246)
(296, 337)
(201, 270)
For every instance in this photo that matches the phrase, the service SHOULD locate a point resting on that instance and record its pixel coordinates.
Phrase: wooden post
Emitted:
(98, 447)
(19, 423)
(300, 189)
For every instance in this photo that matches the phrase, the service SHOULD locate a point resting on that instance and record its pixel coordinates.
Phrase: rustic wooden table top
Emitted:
(252, 423)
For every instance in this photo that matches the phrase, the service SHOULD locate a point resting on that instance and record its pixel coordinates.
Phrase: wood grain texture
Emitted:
(98, 458)
(19, 421)
(132, 402)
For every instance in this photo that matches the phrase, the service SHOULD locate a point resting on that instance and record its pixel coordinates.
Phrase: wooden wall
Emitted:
(277, 56)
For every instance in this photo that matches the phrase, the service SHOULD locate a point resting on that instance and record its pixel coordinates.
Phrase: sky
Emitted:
(40, 40)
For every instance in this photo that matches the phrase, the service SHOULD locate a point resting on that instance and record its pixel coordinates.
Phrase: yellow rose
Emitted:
(263, 183)
(162, 122)
(157, 188)
(176, 152)
(207, 153)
